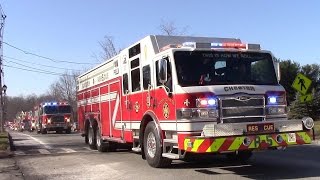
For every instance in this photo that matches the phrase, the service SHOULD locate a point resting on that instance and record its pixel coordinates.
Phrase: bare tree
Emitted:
(65, 89)
(18, 104)
(108, 47)
(169, 28)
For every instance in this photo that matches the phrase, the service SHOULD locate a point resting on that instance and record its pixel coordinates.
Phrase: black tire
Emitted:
(101, 146)
(104, 146)
(241, 156)
(44, 131)
(154, 157)
(86, 139)
(68, 131)
(112, 146)
(92, 138)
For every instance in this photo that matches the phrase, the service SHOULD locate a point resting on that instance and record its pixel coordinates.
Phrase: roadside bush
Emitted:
(4, 141)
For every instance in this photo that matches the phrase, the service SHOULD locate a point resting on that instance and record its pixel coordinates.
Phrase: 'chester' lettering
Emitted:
(237, 88)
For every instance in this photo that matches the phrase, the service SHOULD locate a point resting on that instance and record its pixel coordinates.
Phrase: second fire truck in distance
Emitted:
(53, 116)
(173, 95)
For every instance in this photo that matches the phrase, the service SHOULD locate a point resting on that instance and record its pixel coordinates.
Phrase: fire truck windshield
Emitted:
(57, 109)
(200, 68)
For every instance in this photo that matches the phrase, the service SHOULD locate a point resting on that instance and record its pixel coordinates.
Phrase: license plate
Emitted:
(292, 137)
(260, 128)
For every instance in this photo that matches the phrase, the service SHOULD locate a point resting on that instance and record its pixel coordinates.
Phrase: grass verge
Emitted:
(4, 141)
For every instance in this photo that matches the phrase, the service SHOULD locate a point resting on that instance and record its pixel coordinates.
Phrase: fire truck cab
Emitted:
(173, 95)
(53, 116)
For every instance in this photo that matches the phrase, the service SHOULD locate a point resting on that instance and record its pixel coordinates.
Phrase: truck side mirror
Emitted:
(277, 69)
(162, 66)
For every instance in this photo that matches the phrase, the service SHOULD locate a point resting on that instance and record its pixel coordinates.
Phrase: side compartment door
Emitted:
(116, 124)
(105, 110)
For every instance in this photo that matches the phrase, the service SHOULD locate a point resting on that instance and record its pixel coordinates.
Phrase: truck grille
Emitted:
(242, 112)
(57, 119)
(236, 102)
(242, 108)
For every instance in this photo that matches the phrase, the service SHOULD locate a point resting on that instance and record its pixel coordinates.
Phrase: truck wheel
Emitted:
(101, 146)
(68, 131)
(153, 148)
(241, 156)
(92, 139)
(86, 139)
(112, 146)
(43, 131)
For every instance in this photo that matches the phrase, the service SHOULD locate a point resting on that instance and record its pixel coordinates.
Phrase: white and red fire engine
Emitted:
(172, 95)
(53, 116)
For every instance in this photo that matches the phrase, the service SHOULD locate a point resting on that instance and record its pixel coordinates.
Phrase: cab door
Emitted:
(165, 98)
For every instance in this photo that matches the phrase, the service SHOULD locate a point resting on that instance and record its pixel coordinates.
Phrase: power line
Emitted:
(43, 57)
(32, 67)
(38, 64)
(43, 72)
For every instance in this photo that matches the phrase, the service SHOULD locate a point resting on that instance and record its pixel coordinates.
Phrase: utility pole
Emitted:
(2, 20)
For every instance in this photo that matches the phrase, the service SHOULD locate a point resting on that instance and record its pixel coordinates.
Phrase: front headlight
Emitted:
(185, 113)
(197, 113)
(208, 113)
(276, 110)
(276, 100)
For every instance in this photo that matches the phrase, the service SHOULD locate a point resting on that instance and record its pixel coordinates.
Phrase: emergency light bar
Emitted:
(50, 103)
(54, 103)
(235, 45)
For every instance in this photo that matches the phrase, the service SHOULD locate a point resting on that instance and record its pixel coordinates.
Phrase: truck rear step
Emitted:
(171, 155)
(136, 145)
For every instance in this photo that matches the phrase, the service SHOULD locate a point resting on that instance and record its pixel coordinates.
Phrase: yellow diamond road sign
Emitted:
(305, 98)
(301, 83)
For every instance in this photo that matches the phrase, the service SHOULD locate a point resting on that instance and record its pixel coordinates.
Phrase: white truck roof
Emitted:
(152, 44)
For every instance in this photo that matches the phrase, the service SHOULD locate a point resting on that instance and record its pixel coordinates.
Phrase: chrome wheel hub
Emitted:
(90, 137)
(98, 139)
(151, 145)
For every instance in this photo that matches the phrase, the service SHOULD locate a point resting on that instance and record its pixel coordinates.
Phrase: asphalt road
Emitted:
(65, 156)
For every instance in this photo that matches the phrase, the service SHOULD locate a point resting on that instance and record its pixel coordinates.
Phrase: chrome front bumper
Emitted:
(234, 129)
(57, 126)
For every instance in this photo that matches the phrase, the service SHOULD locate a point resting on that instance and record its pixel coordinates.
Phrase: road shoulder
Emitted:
(8, 165)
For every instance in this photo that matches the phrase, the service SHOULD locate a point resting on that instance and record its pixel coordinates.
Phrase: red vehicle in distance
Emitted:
(53, 116)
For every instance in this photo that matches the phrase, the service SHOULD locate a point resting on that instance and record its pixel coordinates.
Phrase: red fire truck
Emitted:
(53, 116)
(169, 96)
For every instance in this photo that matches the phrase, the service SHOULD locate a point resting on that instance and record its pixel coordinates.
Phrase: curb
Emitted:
(8, 153)
(315, 142)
